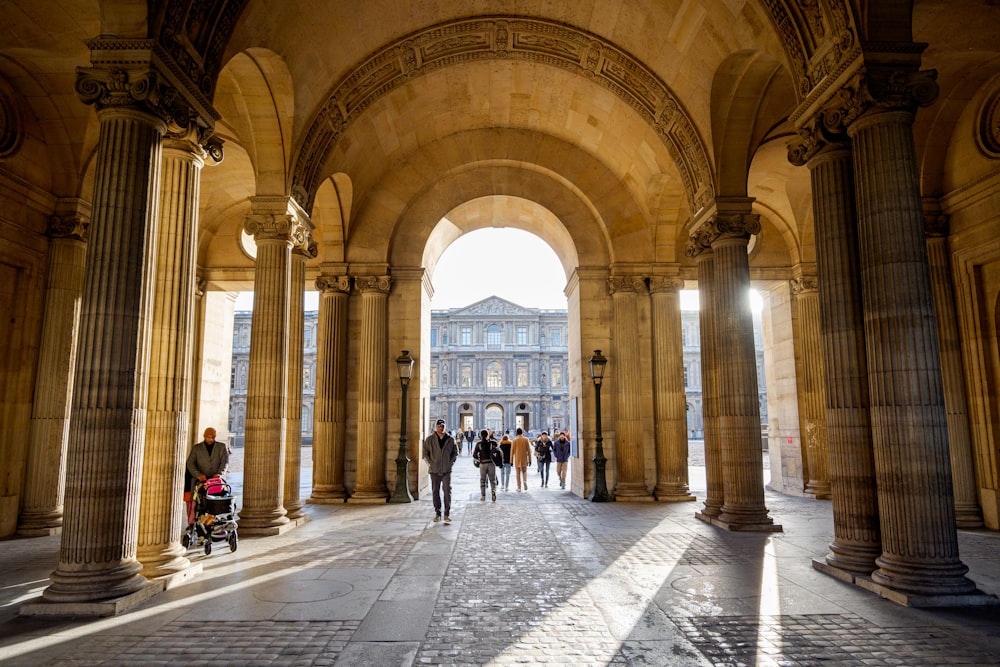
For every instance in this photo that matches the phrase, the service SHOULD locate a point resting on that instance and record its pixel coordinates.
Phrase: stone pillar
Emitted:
(739, 406)
(330, 401)
(630, 439)
(967, 511)
(161, 513)
(293, 432)
(909, 425)
(812, 390)
(97, 556)
(263, 511)
(372, 390)
(857, 537)
(45, 474)
(699, 248)
(669, 401)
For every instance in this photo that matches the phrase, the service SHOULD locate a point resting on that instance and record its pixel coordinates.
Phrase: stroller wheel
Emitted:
(186, 540)
(233, 542)
(208, 547)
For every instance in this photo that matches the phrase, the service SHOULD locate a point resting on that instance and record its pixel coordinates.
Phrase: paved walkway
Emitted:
(536, 578)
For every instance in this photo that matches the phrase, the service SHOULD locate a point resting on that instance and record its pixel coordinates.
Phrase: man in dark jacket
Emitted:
(487, 454)
(561, 452)
(440, 452)
(543, 454)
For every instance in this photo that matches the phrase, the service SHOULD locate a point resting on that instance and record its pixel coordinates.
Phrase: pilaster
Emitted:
(372, 390)
(967, 511)
(45, 473)
(669, 403)
(330, 400)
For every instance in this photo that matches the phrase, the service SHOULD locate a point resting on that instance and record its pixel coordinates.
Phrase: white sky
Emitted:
(510, 263)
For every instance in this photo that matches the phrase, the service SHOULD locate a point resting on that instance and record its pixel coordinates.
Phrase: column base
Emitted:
(57, 530)
(96, 609)
(40, 524)
(673, 497)
(740, 527)
(974, 599)
(330, 500)
(264, 523)
(368, 499)
(179, 577)
(294, 511)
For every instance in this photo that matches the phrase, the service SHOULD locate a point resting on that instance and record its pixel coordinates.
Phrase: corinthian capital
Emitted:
(624, 284)
(823, 131)
(804, 285)
(730, 226)
(68, 227)
(671, 284)
(276, 227)
(378, 284)
(139, 87)
(334, 284)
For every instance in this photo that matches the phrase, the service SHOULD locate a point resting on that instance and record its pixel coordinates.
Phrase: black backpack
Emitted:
(497, 457)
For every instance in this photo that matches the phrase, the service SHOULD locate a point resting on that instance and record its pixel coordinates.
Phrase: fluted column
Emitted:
(372, 390)
(263, 511)
(296, 327)
(739, 406)
(909, 424)
(967, 511)
(108, 419)
(45, 472)
(698, 247)
(857, 537)
(162, 515)
(630, 439)
(812, 390)
(669, 401)
(330, 401)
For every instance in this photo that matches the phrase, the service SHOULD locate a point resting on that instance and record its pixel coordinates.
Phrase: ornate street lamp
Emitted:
(598, 362)
(404, 366)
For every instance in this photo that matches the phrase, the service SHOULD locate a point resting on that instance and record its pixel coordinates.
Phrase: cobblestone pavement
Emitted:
(535, 578)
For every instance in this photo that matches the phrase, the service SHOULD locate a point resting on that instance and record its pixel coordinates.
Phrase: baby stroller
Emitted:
(214, 517)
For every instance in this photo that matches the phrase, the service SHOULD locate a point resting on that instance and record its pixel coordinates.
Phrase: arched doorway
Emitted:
(494, 417)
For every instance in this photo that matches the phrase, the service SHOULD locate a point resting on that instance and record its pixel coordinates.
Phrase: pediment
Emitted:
(494, 305)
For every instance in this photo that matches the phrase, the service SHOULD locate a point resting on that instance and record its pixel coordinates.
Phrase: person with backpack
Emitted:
(506, 464)
(485, 456)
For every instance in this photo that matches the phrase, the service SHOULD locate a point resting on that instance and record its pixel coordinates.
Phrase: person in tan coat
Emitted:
(520, 454)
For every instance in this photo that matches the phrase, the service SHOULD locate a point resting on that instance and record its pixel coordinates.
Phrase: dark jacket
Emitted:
(561, 451)
(544, 451)
(440, 456)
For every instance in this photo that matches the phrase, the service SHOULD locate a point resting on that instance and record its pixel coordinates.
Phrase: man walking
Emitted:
(543, 456)
(520, 453)
(440, 452)
(561, 451)
(486, 453)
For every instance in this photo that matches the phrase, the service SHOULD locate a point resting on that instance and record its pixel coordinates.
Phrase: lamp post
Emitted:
(598, 362)
(404, 365)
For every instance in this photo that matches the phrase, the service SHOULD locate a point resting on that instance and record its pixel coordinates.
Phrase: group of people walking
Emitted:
(440, 450)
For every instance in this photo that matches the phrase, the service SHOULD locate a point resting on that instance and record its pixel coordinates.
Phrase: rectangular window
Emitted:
(522, 335)
(556, 337)
(466, 376)
(685, 376)
(522, 375)
(556, 376)
(493, 336)
(466, 335)
(434, 337)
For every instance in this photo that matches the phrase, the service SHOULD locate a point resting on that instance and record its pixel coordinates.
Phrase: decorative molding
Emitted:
(340, 284)
(369, 284)
(271, 226)
(507, 38)
(70, 226)
(670, 284)
(936, 224)
(804, 285)
(732, 225)
(626, 284)
(494, 306)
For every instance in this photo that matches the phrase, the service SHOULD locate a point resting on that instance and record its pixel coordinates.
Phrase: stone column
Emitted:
(812, 390)
(97, 556)
(857, 537)
(669, 401)
(330, 401)
(909, 424)
(699, 248)
(739, 406)
(45, 473)
(293, 432)
(372, 390)
(967, 511)
(263, 511)
(161, 514)
(630, 439)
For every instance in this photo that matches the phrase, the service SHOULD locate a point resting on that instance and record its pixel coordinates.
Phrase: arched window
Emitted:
(494, 417)
(493, 335)
(494, 375)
